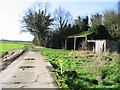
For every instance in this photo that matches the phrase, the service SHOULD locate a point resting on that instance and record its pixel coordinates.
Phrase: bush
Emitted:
(85, 46)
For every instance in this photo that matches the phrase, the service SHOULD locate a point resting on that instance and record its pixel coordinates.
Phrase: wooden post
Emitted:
(66, 44)
(105, 47)
(75, 43)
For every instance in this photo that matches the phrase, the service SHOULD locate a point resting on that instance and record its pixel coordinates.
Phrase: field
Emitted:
(75, 69)
(78, 69)
(5, 46)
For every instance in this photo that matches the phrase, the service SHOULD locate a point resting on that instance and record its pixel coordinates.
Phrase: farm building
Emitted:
(95, 42)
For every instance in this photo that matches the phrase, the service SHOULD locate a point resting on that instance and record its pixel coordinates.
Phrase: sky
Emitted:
(12, 11)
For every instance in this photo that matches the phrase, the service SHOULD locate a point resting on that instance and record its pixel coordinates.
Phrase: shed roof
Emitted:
(81, 34)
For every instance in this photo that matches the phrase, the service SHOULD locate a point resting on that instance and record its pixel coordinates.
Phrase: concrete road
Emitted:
(34, 73)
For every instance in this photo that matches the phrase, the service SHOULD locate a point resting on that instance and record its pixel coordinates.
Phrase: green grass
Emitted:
(80, 72)
(6, 46)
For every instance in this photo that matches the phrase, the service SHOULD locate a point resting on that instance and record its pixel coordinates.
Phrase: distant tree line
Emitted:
(51, 30)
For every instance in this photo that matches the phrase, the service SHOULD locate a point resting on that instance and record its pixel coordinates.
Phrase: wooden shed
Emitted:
(104, 45)
(74, 42)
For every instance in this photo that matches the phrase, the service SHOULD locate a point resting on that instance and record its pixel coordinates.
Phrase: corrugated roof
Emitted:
(81, 34)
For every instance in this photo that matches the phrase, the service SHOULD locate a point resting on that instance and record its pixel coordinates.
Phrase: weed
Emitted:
(29, 59)
(17, 82)
(26, 67)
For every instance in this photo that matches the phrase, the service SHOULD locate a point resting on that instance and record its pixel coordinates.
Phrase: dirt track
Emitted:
(27, 73)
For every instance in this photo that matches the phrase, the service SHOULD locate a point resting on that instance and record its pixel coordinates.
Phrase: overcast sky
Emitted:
(11, 12)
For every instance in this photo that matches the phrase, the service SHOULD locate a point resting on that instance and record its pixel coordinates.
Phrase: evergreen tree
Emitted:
(37, 22)
(82, 23)
(112, 23)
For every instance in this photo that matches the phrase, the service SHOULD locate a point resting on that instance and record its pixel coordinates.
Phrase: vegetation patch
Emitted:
(26, 66)
(17, 82)
(78, 72)
(29, 59)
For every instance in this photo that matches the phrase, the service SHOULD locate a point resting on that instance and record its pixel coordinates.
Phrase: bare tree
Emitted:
(62, 18)
(96, 19)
